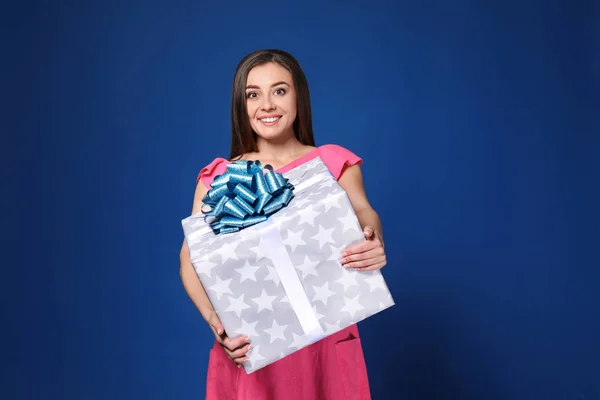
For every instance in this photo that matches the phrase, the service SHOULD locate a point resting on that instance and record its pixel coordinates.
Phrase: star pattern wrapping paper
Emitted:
(243, 285)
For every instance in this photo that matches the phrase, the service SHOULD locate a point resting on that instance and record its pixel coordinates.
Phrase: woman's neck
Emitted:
(279, 150)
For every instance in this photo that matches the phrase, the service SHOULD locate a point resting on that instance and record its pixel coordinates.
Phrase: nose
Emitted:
(267, 104)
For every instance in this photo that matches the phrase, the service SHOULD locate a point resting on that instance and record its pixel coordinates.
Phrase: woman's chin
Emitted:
(273, 135)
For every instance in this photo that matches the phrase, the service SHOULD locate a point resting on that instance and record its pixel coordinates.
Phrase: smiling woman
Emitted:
(269, 84)
(271, 123)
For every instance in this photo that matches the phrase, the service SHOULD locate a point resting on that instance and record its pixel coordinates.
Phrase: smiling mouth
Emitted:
(270, 120)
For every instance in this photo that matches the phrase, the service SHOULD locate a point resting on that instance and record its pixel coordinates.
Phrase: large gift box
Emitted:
(279, 280)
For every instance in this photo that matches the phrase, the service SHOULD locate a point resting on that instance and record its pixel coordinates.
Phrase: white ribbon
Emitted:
(311, 181)
(290, 281)
(287, 273)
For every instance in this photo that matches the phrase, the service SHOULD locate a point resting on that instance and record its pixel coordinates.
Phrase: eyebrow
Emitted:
(273, 85)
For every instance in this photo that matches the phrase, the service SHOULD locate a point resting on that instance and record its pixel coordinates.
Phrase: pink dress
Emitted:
(330, 369)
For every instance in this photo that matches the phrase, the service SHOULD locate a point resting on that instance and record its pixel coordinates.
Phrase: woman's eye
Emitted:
(280, 91)
(251, 95)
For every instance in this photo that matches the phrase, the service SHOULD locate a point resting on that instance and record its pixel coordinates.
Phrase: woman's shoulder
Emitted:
(338, 158)
(208, 173)
(337, 152)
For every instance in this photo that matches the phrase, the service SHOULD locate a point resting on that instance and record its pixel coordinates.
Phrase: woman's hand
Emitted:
(235, 349)
(367, 256)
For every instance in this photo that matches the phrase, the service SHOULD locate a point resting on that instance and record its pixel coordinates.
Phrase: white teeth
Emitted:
(269, 120)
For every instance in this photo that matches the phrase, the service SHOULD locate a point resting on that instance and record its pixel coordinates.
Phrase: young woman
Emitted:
(271, 122)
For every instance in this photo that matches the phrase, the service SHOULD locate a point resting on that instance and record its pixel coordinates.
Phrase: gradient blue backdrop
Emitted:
(475, 121)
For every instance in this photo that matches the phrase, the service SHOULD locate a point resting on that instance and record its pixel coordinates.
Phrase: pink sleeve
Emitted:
(338, 159)
(217, 167)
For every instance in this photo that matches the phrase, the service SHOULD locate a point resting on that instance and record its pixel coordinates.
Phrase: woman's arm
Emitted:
(191, 283)
(193, 287)
(369, 255)
(237, 348)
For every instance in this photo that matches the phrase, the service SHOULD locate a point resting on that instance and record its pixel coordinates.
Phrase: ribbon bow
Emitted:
(246, 194)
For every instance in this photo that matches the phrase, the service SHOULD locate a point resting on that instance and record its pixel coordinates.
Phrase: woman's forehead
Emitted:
(268, 74)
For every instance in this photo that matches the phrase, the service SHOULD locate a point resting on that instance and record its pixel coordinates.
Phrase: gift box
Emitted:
(279, 280)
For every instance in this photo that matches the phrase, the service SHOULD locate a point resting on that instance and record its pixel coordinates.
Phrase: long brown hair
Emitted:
(243, 138)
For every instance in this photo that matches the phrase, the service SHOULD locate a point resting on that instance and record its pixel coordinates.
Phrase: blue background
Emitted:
(476, 123)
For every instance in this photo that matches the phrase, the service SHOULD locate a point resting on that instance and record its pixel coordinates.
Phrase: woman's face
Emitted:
(271, 101)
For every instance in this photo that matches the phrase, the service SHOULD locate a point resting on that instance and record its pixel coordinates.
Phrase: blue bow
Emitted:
(246, 194)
